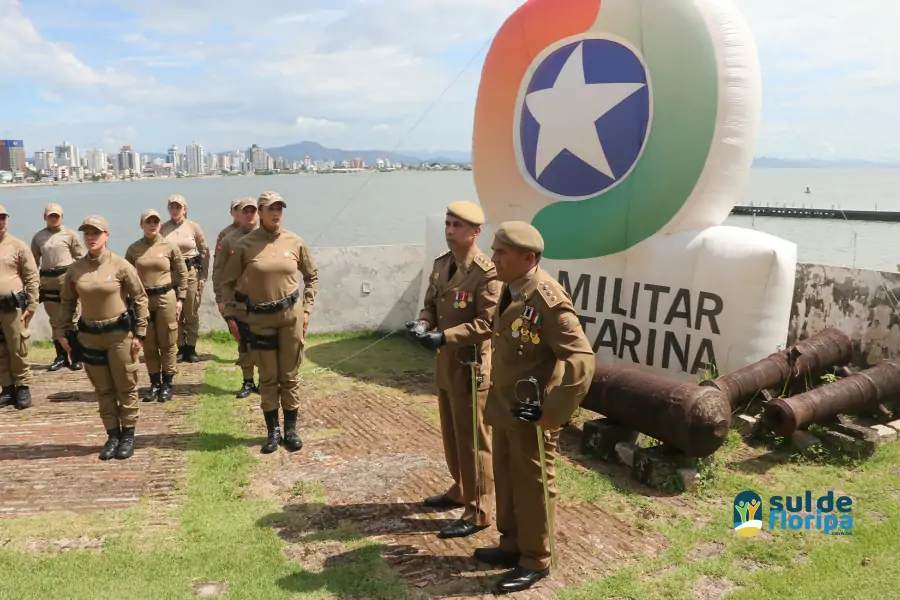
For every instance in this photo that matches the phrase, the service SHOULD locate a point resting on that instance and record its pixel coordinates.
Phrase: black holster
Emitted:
(13, 301)
(49, 296)
(253, 341)
(77, 349)
(193, 262)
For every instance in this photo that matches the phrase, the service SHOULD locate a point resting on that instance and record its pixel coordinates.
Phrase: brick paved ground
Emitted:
(48, 453)
(376, 458)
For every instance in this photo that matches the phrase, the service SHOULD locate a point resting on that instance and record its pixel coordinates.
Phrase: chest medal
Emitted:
(461, 299)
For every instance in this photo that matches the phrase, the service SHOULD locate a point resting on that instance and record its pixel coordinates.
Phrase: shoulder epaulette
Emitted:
(441, 255)
(551, 292)
(484, 262)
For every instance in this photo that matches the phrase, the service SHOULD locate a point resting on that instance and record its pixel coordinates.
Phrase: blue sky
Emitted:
(360, 73)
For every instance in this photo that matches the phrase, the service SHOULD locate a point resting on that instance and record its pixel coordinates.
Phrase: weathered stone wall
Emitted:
(861, 303)
(360, 288)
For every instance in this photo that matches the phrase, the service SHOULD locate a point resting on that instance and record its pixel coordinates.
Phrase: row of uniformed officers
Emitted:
(105, 309)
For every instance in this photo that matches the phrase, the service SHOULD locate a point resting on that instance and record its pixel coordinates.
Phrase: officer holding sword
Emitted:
(542, 366)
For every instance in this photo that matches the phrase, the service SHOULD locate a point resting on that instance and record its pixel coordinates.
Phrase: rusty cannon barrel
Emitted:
(826, 349)
(862, 391)
(685, 416)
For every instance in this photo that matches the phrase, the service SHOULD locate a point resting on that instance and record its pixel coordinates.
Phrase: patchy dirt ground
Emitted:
(378, 461)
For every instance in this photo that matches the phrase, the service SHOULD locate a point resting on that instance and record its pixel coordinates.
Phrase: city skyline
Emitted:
(359, 74)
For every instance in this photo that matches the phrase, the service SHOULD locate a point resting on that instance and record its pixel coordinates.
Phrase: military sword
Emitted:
(528, 394)
(473, 361)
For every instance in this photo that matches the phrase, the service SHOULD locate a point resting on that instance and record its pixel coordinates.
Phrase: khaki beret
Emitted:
(177, 199)
(53, 209)
(244, 203)
(95, 222)
(522, 235)
(269, 198)
(149, 213)
(3, 211)
(467, 211)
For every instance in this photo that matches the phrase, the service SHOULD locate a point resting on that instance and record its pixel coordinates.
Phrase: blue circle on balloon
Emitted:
(622, 131)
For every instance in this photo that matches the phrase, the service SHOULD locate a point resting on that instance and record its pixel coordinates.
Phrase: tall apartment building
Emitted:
(66, 155)
(174, 158)
(96, 160)
(43, 161)
(129, 160)
(12, 155)
(195, 158)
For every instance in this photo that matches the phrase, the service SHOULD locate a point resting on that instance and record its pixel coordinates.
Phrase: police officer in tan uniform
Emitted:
(261, 289)
(19, 286)
(55, 248)
(536, 334)
(188, 236)
(162, 272)
(235, 224)
(459, 307)
(110, 332)
(249, 221)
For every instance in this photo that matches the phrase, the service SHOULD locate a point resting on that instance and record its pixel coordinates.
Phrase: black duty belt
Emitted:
(270, 307)
(123, 323)
(13, 301)
(193, 262)
(54, 272)
(160, 290)
(49, 296)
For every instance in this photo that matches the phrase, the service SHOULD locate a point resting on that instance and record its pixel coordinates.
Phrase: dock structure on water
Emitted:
(817, 213)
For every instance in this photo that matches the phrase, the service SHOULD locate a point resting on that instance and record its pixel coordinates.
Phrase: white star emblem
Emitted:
(568, 113)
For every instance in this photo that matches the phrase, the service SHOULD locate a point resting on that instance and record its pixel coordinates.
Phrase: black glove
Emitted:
(528, 412)
(416, 328)
(432, 340)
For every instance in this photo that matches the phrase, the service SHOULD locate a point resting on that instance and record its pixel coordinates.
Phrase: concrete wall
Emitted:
(861, 303)
(360, 288)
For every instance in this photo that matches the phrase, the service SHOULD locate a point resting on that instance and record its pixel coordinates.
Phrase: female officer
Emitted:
(110, 332)
(162, 271)
(189, 238)
(260, 288)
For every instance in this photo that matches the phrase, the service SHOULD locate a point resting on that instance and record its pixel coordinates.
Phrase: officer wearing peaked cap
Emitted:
(261, 289)
(456, 321)
(55, 248)
(536, 334)
(19, 285)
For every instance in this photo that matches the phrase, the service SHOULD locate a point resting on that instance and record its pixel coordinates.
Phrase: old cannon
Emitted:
(687, 417)
(826, 349)
(858, 392)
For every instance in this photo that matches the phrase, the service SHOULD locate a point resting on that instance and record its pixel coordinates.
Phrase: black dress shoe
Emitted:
(442, 501)
(460, 528)
(498, 557)
(519, 579)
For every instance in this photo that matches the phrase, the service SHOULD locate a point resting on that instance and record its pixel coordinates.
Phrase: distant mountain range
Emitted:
(764, 162)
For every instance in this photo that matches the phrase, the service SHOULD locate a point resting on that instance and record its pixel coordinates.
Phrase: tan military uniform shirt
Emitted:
(460, 301)
(158, 262)
(189, 238)
(225, 247)
(55, 248)
(538, 334)
(18, 270)
(222, 235)
(103, 285)
(263, 266)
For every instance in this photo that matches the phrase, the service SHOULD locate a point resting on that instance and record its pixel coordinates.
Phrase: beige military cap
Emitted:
(467, 211)
(53, 209)
(244, 203)
(522, 235)
(178, 199)
(149, 213)
(95, 222)
(235, 202)
(269, 198)
(3, 211)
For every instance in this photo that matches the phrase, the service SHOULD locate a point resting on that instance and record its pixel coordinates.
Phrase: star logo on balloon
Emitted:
(583, 117)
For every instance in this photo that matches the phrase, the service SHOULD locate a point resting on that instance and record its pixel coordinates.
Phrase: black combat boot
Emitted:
(274, 438)
(190, 354)
(7, 395)
(167, 391)
(23, 397)
(112, 442)
(126, 444)
(292, 441)
(153, 392)
(180, 356)
(75, 365)
(62, 358)
(247, 389)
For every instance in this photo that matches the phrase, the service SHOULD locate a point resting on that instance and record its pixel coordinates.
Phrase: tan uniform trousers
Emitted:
(14, 367)
(51, 307)
(521, 517)
(459, 450)
(160, 346)
(115, 383)
(189, 326)
(279, 370)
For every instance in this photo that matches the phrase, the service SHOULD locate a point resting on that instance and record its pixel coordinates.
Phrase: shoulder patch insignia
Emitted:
(493, 287)
(565, 321)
